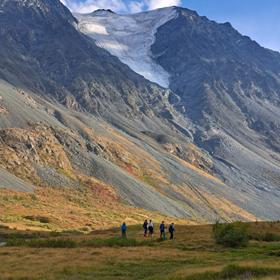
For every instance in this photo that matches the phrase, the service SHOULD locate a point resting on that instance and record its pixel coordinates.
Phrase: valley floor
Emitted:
(101, 255)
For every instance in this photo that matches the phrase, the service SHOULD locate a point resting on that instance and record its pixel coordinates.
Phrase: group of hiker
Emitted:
(148, 228)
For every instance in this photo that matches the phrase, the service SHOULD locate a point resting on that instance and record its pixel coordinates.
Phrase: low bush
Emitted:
(112, 242)
(274, 253)
(4, 227)
(28, 235)
(231, 235)
(236, 272)
(40, 219)
(42, 243)
(69, 243)
(267, 237)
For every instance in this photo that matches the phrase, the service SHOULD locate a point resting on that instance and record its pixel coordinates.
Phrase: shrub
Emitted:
(231, 235)
(236, 272)
(53, 243)
(112, 242)
(4, 227)
(267, 237)
(271, 237)
(41, 219)
(42, 243)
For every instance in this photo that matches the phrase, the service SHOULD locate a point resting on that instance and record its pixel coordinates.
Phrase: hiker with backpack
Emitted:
(145, 227)
(171, 231)
(162, 230)
(151, 228)
(123, 230)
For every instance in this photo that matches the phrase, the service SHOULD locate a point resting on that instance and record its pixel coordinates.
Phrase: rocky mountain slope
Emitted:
(230, 87)
(74, 116)
(226, 86)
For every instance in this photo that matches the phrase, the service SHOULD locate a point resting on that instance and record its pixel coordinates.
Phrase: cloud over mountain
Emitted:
(121, 6)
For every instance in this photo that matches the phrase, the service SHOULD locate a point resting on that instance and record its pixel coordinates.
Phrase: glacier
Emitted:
(129, 37)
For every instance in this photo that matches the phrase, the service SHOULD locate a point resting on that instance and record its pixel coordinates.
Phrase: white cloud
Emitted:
(136, 7)
(118, 6)
(156, 4)
(92, 5)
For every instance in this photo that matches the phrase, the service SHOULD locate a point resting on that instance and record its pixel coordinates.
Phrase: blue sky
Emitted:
(259, 19)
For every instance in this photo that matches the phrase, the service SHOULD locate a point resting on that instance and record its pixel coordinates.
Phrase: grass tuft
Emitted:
(236, 272)
(267, 237)
(42, 243)
(116, 242)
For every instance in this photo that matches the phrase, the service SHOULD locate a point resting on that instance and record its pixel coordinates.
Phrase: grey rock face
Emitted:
(230, 87)
(9, 181)
(43, 51)
(224, 96)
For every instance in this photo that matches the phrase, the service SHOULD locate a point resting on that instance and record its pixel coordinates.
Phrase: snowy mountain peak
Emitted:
(130, 37)
(102, 12)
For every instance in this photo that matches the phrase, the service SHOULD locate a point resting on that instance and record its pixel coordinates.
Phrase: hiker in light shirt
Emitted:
(151, 228)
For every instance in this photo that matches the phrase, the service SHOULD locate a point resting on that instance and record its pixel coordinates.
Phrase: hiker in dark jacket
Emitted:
(162, 230)
(171, 231)
(145, 227)
(123, 229)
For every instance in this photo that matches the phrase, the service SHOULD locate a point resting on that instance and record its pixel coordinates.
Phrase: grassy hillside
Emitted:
(84, 209)
(102, 255)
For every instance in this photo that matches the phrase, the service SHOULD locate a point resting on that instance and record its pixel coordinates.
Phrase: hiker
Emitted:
(171, 231)
(145, 227)
(162, 230)
(151, 228)
(123, 229)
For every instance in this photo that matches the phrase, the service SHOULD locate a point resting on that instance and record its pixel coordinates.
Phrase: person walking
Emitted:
(151, 228)
(123, 229)
(171, 231)
(162, 230)
(145, 227)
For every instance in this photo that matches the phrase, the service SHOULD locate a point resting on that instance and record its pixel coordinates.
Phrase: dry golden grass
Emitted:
(192, 255)
(97, 206)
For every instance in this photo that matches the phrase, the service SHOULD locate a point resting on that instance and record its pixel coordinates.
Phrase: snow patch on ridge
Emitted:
(130, 37)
